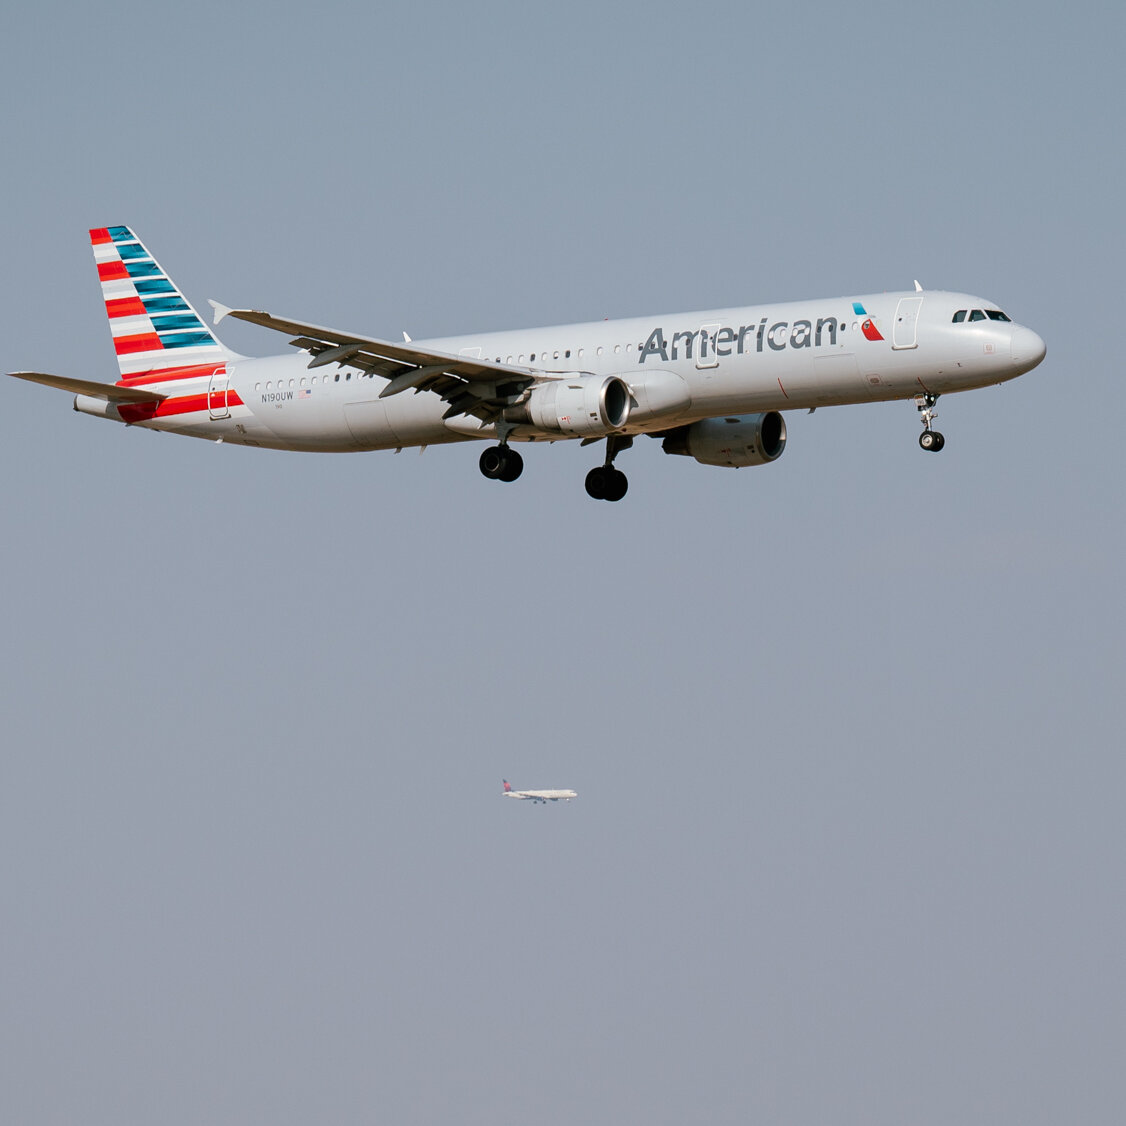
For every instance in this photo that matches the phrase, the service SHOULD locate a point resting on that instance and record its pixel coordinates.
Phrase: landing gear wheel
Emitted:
(604, 482)
(596, 483)
(514, 466)
(616, 484)
(930, 440)
(499, 463)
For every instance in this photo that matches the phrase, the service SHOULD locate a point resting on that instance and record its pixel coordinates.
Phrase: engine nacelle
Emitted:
(753, 439)
(588, 405)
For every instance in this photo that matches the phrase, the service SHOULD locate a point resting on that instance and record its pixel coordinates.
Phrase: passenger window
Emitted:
(977, 315)
(337, 379)
(567, 354)
(959, 316)
(556, 353)
(617, 349)
(600, 349)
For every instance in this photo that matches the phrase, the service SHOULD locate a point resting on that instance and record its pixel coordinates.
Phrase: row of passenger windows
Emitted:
(305, 381)
(566, 354)
(979, 315)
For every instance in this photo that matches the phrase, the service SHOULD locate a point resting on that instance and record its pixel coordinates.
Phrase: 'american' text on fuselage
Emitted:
(781, 335)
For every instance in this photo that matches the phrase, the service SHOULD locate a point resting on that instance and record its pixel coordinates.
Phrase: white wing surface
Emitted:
(470, 386)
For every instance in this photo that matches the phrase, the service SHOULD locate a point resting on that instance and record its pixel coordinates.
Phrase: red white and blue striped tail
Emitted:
(154, 326)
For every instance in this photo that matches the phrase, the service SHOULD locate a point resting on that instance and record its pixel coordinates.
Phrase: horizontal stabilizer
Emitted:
(108, 391)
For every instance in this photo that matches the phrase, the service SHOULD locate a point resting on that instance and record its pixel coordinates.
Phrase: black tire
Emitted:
(514, 465)
(617, 485)
(939, 442)
(596, 483)
(493, 462)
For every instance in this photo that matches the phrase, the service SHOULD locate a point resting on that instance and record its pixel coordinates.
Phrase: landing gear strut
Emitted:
(501, 463)
(930, 439)
(604, 482)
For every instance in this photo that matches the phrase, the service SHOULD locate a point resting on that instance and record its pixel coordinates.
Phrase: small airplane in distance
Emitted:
(708, 385)
(541, 796)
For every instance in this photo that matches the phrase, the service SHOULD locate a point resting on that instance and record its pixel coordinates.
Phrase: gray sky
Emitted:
(847, 730)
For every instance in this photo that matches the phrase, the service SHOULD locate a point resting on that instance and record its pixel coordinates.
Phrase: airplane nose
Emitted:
(1027, 348)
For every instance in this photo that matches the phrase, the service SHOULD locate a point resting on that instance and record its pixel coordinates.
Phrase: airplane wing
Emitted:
(109, 391)
(470, 386)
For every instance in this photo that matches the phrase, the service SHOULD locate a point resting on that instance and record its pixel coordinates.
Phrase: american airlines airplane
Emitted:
(710, 385)
(541, 796)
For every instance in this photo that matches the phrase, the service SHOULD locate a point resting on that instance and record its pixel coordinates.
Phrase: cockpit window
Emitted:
(959, 316)
(995, 315)
(977, 315)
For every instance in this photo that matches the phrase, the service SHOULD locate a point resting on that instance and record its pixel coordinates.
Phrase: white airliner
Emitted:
(538, 795)
(711, 385)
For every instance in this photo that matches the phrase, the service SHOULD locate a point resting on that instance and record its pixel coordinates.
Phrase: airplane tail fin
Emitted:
(507, 787)
(154, 326)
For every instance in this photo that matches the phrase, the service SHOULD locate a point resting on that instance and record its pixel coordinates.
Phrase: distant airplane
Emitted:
(538, 795)
(710, 385)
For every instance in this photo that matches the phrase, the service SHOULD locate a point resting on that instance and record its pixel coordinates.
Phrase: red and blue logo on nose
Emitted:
(867, 327)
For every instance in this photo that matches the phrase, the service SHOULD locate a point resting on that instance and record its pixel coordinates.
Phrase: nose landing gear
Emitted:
(930, 440)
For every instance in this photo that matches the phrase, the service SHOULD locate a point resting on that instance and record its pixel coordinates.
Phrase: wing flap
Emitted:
(108, 391)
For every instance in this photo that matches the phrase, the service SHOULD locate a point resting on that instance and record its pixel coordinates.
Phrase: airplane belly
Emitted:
(400, 420)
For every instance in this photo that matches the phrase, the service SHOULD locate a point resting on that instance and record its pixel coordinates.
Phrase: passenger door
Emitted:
(904, 333)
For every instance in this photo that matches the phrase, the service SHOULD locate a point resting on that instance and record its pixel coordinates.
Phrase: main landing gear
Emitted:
(501, 463)
(930, 439)
(604, 482)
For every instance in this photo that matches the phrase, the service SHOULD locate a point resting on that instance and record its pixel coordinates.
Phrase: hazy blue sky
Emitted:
(847, 729)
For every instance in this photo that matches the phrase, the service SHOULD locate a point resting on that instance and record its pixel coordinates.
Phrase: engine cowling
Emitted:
(752, 439)
(588, 405)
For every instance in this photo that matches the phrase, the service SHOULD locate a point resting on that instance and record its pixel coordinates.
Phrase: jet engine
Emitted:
(587, 405)
(752, 439)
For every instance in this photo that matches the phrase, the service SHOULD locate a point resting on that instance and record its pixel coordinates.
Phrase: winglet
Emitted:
(220, 310)
(918, 288)
(507, 787)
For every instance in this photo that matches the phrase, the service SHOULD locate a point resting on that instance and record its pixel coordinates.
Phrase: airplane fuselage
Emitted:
(541, 795)
(679, 369)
